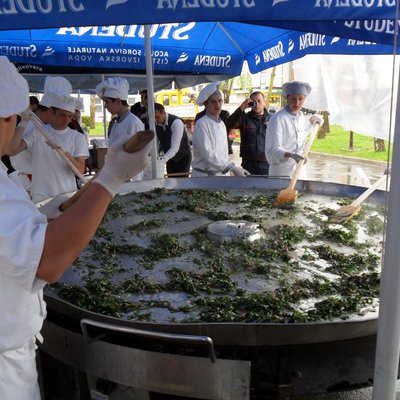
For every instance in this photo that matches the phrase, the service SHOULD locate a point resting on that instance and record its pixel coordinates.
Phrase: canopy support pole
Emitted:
(388, 341)
(150, 97)
(104, 116)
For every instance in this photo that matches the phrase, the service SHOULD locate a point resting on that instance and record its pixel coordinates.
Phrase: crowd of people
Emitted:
(271, 141)
(44, 141)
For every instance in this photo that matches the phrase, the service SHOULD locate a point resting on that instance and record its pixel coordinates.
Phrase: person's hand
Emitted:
(54, 145)
(246, 103)
(298, 157)
(239, 171)
(26, 116)
(51, 209)
(317, 119)
(120, 166)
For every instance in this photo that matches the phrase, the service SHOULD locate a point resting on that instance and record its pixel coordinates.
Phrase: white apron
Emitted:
(18, 374)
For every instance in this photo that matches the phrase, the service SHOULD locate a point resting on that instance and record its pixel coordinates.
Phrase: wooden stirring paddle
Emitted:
(290, 194)
(346, 212)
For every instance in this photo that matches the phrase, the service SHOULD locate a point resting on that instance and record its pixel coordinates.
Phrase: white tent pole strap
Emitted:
(39, 126)
(150, 97)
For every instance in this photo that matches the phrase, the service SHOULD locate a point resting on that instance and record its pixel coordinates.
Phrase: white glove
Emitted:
(317, 119)
(51, 209)
(26, 116)
(298, 157)
(239, 171)
(120, 166)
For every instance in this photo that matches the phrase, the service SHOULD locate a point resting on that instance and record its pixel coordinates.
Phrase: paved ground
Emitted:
(337, 169)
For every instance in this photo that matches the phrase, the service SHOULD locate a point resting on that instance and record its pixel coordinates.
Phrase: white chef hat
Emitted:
(79, 104)
(61, 101)
(207, 91)
(296, 87)
(14, 90)
(58, 84)
(115, 88)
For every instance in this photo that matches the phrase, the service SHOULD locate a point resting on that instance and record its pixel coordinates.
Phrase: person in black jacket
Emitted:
(140, 108)
(253, 126)
(174, 142)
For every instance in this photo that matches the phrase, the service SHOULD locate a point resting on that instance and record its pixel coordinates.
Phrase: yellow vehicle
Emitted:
(169, 98)
(180, 102)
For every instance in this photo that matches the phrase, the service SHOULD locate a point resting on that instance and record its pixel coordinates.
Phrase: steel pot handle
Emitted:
(173, 337)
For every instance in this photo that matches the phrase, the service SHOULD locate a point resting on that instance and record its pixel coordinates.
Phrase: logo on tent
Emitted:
(291, 45)
(48, 51)
(182, 58)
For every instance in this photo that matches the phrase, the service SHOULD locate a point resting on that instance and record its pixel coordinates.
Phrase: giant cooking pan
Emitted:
(233, 334)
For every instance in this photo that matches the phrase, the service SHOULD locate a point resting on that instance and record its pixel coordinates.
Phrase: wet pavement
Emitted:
(336, 169)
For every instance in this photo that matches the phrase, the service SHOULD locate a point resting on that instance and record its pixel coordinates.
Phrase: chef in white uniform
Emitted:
(22, 161)
(287, 131)
(210, 147)
(32, 251)
(114, 93)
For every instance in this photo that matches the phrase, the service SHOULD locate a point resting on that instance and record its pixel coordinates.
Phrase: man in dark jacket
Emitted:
(140, 108)
(253, 126)
(174, 142)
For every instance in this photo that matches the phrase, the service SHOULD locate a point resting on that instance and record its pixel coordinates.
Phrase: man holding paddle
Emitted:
(33, 251)
(51, 174)
(287, 131)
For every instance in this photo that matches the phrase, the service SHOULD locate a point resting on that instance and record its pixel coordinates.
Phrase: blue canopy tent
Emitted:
(188, 53)
(366, 20)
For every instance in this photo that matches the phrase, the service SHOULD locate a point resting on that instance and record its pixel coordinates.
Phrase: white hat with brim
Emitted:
(59, 100)
(115, 88)
(207, 92)
(56, 84)
(59, 84)
(296, 87)
(14, 89)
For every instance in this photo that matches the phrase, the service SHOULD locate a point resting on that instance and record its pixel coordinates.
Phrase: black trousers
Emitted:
(180, 166)
(256, 167)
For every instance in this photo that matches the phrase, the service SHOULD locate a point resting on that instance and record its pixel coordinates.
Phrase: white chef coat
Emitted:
(18, 376)
(286, 132)
(210, 148)
(23, 160)
(126, 126)
(51, 175)
(22, 311)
